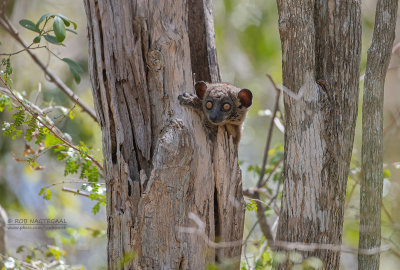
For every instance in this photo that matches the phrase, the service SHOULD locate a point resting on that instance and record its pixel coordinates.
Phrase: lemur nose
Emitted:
(213, 117)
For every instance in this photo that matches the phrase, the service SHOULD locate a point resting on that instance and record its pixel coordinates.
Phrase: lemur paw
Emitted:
(187, 99)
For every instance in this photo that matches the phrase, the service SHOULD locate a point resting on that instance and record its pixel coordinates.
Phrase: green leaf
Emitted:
(42, 18)
(52, 39)
(29, 25)
(74, 68)
(59, 28)
(96, 208)
(47, 196)
(46, 193)
(20, 249)
(37, 39)
(67, 20)
(386, 173)
(51, 140)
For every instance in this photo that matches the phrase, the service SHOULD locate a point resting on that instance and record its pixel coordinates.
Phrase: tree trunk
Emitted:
(372, 133)
(159, 164)
(321, 47)
(3, 229)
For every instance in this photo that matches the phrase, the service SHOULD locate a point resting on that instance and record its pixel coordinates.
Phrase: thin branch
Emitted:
(252, 194)
(22, 50)
(34, 111)
(201, 226)
(70, 190)
(246, 240)
(272, 172)
(269, 136)
(5, 22)
(262, 219)
(72, 182)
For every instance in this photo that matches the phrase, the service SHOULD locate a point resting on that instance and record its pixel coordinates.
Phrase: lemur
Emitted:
(221, 104)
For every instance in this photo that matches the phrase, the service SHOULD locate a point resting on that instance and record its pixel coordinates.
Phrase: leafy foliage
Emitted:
(40, 137)
(43, 257)
(54, 34)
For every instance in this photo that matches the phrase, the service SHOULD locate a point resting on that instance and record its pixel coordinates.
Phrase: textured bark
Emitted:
(321, 42)
(372, 132)
(3, 225)
(159, 163)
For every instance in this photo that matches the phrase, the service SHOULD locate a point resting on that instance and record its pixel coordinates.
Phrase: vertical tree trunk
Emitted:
(159, 163)
(321, 46)
(3, 229)
(372, 132)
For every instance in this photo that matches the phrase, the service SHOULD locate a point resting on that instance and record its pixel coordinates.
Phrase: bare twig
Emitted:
(252, 194)
(201, 226)
(272, 172)
(72, 182)
(5, 22)
(22, 50)
(262, 219)
(70, 190)
(246, 241)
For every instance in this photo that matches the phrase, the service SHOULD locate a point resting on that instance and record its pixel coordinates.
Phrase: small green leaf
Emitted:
(74, 68)
(51, 140)
(20, 249)
(67, 20)
(48, 194)
(37, 39)
(29, 25)
(96, 208)
(42, 18)
(59, 28)
(52, 39)
(386, 173)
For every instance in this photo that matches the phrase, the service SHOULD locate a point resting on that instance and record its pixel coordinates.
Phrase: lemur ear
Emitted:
(200, 88)
(246, 97)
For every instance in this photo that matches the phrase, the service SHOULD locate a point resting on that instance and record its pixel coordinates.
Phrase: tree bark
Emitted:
(159, 164)
(372, 132)
(3, 229)
(321, 47)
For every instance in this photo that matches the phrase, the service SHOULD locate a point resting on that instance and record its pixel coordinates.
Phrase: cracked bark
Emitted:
(321, 42)
(372, 138)
(158, 161)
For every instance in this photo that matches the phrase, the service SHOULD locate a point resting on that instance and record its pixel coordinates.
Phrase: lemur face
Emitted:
(224, 103)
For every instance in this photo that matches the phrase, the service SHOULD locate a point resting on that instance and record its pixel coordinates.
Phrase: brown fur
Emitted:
(219, 94)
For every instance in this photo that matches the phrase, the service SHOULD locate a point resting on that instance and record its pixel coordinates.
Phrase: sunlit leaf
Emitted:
(67, 20)
(59, 28)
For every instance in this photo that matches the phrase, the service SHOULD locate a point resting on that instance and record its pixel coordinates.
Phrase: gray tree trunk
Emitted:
(321, 47)
(159, 164)
(372, 133)
(3, 230)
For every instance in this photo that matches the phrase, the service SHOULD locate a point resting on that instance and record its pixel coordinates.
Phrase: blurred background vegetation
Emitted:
(248, 47)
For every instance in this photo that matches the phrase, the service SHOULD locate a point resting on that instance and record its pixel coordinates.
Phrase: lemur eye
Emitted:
(227, 106)
(209, 105)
